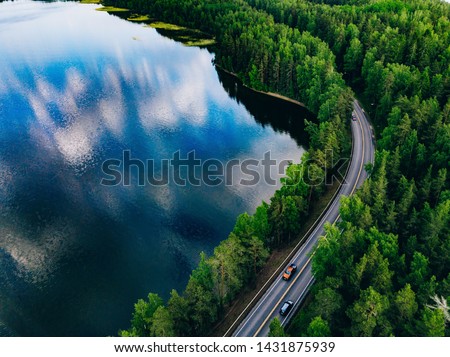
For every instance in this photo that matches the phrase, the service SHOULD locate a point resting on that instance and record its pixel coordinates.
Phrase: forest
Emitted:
(391, 263)
(384, 270)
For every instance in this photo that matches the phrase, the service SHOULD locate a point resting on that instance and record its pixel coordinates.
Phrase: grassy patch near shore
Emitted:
(112, 9)
(193, 41)
(139, 18)
(165, 26)
(203, 42)
(187, 36)
(90, 2)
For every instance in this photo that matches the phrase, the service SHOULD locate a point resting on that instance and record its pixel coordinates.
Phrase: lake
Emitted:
(79, 87)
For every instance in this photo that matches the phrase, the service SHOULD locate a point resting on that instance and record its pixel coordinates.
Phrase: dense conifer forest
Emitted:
(385, 268)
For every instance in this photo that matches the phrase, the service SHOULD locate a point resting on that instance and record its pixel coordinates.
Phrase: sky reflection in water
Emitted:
(77, 87)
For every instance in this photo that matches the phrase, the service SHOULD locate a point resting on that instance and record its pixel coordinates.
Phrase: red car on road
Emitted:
(291, 269)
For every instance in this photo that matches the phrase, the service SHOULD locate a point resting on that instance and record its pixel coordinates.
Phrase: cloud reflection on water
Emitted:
(77, 89)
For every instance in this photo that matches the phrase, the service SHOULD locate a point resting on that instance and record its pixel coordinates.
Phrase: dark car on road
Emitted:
(286, 307)
(291, 269)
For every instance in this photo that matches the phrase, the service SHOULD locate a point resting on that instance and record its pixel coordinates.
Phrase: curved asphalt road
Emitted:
(257, 321)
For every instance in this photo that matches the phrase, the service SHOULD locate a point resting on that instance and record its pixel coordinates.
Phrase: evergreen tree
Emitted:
(275, 328)
(318, 328)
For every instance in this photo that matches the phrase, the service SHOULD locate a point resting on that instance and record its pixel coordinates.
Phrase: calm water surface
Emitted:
(77, 87)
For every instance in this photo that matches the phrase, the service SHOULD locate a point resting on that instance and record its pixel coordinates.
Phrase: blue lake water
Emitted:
(78, 87)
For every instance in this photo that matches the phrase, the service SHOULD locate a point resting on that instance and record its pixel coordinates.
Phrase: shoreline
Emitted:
(270, 94)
